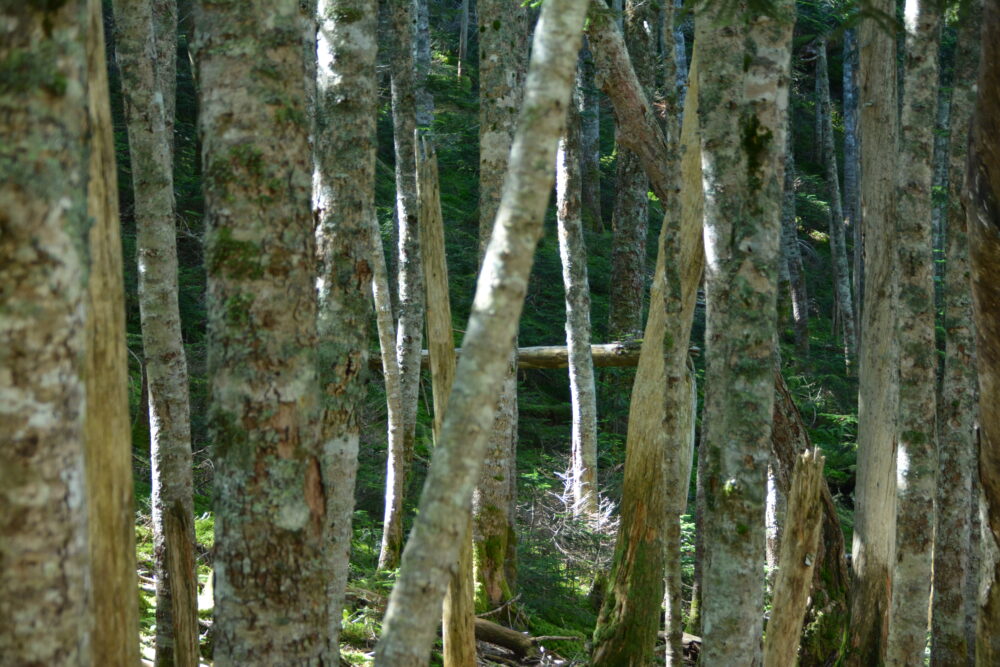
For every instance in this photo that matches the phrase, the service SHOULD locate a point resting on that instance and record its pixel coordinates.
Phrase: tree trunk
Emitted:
(803, 523)
(793, 256)
(838, 241)
(458, 619)
(343, 197)
(917, 435)
(151, 157)
(590, 141)
(658, 448)
(503, 30)
(410, 282)
(984, 255)
(743, 185)
(115, 639)
(852, 167)
(422, 64)
(956, 495)
(433, 547)
(875, 491)
(573, 252)
(45, 581)
(272, 471)
(463, 38)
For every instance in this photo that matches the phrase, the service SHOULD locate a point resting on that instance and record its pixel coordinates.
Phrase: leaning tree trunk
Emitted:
(344, 196)
(272, 470)
(45, 583)
(743, 148)
(410, 284)
(111, 518)
(573, 252)
(432, 549)
(875, 490)
(917, 438)
(956, 463)
(838, 241)
(151, 156)
(503, 30)
(984, 255)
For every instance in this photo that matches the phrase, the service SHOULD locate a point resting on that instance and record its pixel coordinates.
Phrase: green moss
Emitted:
(756, 144)
(348, 14)
(23, 71)
(237, 310)
(236, 259)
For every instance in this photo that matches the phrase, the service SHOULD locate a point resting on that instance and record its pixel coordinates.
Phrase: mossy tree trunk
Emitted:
(272, 470)
(151, 157)
(916, 462)
(344, 198)
(957, 496)
(743, 113)
(432, 550)
(45, 583)
(875, 489)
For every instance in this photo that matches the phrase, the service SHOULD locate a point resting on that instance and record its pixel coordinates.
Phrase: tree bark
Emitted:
(875, 491)
(916, 461)
(463, 38)
(984, 254)
(590, 141)
(115, 639)
(803, 522)
(852, 167)
(422, 63)
(45, 584)
(503, 30)
(151, 157)
(793, 256)
(410, 283)
(272, 471)
(957, 496)
(838, 241)
(458, 619)
(343, 199)
(743, 149)
(434, 543)
(573, 252)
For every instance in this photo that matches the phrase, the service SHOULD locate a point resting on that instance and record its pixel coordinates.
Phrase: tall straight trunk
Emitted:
(743, 149)
(45, 581)
(272, 469)
(852, 166)
(573, 252)
(589, 107)
(503, 30)
(115, 640)
(875, 490)
(939, 204)
(630, 218)
(838, 241)
(343, 197)
(916, 461)
(458, 618)
(956, 462)
(984, 254)
(422, 63)
(151, 153)
(658, 447)
(409, 328)
(793, 255)
(463, 37)
(433, 547)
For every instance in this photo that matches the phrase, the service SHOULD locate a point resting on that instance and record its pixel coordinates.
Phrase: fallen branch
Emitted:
(500, 608)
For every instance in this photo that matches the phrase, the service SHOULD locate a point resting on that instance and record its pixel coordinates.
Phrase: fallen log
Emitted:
(512, 640)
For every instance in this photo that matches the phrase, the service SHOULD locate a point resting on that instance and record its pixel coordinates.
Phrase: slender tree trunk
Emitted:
(917, 436)
(984, 254)
(658, 448)
(272, 470)
(875, 490)
(838, 241)
(115, 639)
(743, 184)
(956, 500)
(422, 63)
(463, 37)
(343, 197)
(433, 546)
(573, 253)
(151, 153)
(503, 30)
(793, 256)
(852, 167)
(939, 188)
(804, 521)
(410, 284)
(590, 141)
(45, 584)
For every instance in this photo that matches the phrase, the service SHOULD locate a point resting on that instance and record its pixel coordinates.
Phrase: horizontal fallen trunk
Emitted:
(520, 643)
